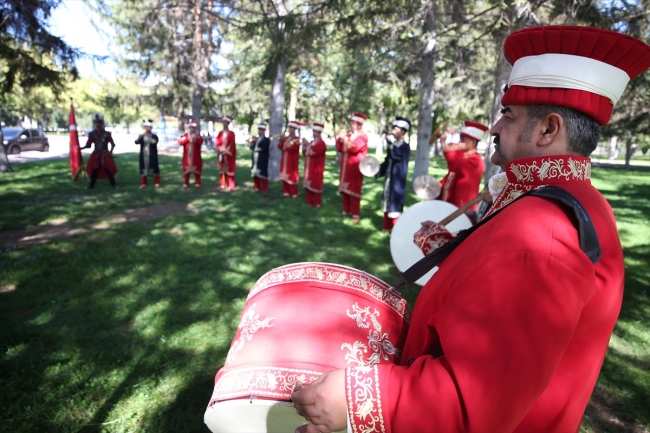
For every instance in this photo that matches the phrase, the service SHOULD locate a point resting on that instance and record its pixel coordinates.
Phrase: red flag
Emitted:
(76, 160)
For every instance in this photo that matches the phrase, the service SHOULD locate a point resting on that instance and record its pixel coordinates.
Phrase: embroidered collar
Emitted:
(549, 170)
(523, 175)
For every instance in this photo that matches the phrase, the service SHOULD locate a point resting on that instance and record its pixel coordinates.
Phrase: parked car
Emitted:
(18, 140)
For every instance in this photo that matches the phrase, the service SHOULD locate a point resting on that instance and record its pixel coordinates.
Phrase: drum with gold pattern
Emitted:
(300, 321)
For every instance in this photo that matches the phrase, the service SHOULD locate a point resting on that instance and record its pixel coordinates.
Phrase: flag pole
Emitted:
(82, 166)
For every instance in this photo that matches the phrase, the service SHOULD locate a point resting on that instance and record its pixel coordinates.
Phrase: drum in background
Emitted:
(402, 248)
(301, 321)
(369, 166)
(426, 187)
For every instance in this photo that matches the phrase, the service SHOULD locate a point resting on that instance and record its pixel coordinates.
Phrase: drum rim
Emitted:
(383, 292)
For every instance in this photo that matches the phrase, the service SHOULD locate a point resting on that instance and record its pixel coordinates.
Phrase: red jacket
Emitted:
(290, 161)
(510, 334)
(350, 178)
(314, 165)
(192, 161)
(227, 149)
(463, 181)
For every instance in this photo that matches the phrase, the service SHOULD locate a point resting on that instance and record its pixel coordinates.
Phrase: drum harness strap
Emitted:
(587, 235)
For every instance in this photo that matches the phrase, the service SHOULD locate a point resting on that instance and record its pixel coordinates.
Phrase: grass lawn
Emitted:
(123, 325)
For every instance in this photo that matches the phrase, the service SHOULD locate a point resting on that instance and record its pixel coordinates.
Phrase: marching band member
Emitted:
(148, 142)
(395, 168)
(511, 332)
(260, 171)
(353, 148)
(227, 154)
(314, 153)
(192, 160)
(100, 164)
(466, 167)
(290, 147)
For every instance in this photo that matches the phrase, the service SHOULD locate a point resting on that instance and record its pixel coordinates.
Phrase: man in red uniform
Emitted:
(100, 164)
(314, 153)
(510, 334)
(353, 148)
(192, 161)
(465, 166)
(290, 147)
(227, 154)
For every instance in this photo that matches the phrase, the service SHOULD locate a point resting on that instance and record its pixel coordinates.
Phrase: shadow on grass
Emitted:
(125, 330)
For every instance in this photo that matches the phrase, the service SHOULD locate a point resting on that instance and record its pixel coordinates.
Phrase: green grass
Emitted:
(123, 329)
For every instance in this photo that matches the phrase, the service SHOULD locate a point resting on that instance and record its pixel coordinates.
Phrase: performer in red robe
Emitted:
(100, 164)
(353, 148)
(465, 166)
(227, 154)
(510, 334)
(314, 153)
(192, 161)
(290, 147)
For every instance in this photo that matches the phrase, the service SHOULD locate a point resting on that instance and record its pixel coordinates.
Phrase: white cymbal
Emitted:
(404, 252)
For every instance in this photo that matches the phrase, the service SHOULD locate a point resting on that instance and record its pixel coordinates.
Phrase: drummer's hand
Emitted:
(322, 403)
(424, 229)
(431, 237)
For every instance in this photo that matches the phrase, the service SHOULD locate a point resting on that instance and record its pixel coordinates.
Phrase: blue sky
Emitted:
(75, 23)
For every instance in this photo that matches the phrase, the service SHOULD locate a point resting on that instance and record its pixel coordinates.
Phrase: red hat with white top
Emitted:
(294, 124)
(583, 68)
(191, 124)
(359, 118)
(473, 130)
(317, 126)
(226, 118)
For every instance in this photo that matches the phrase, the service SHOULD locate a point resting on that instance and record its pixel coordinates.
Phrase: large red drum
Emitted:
(301, 321)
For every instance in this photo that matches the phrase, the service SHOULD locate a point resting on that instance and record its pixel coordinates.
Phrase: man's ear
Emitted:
(552, 127)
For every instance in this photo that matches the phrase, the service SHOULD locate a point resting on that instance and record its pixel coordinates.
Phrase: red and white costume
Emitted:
(466, 169)
(510, 334)
(350, 177)
(290, 162)
(227, 156)
(192, 160)
(314, 154)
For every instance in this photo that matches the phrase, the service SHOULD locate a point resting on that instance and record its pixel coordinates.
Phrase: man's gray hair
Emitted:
(582, 131)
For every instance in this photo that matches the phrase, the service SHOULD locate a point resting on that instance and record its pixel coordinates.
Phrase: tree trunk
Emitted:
(613, 148)
(293, 105)
(426, 96)
(501, 74)
(277, 115)
(628, 149)
(5, 167)
(181, 120)
(379, 152)
(197, 66)
(128, 126)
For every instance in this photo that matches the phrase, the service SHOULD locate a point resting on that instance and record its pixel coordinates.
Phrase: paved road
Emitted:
(60, 147)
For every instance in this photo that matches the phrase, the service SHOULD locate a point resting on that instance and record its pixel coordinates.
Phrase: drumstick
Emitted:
(464, 208)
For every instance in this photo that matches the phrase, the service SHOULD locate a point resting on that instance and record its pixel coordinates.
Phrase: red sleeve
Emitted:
(183, 140)
(491, 372)
(319, 148)
(89, 142)
(294, 146)
(454, 158)
(281, 143)
(199, 140)
(339, 145)
(359, 145)
(232, 146)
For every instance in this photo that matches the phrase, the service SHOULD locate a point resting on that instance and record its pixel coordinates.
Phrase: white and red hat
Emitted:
(359, 118)
(226, 118)
(317, 126)
(583, 68)
(261, 126)
(294, 124)
(473, 130)
(191, 124)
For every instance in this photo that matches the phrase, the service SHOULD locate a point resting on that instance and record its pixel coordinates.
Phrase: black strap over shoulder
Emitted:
(588, 237)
